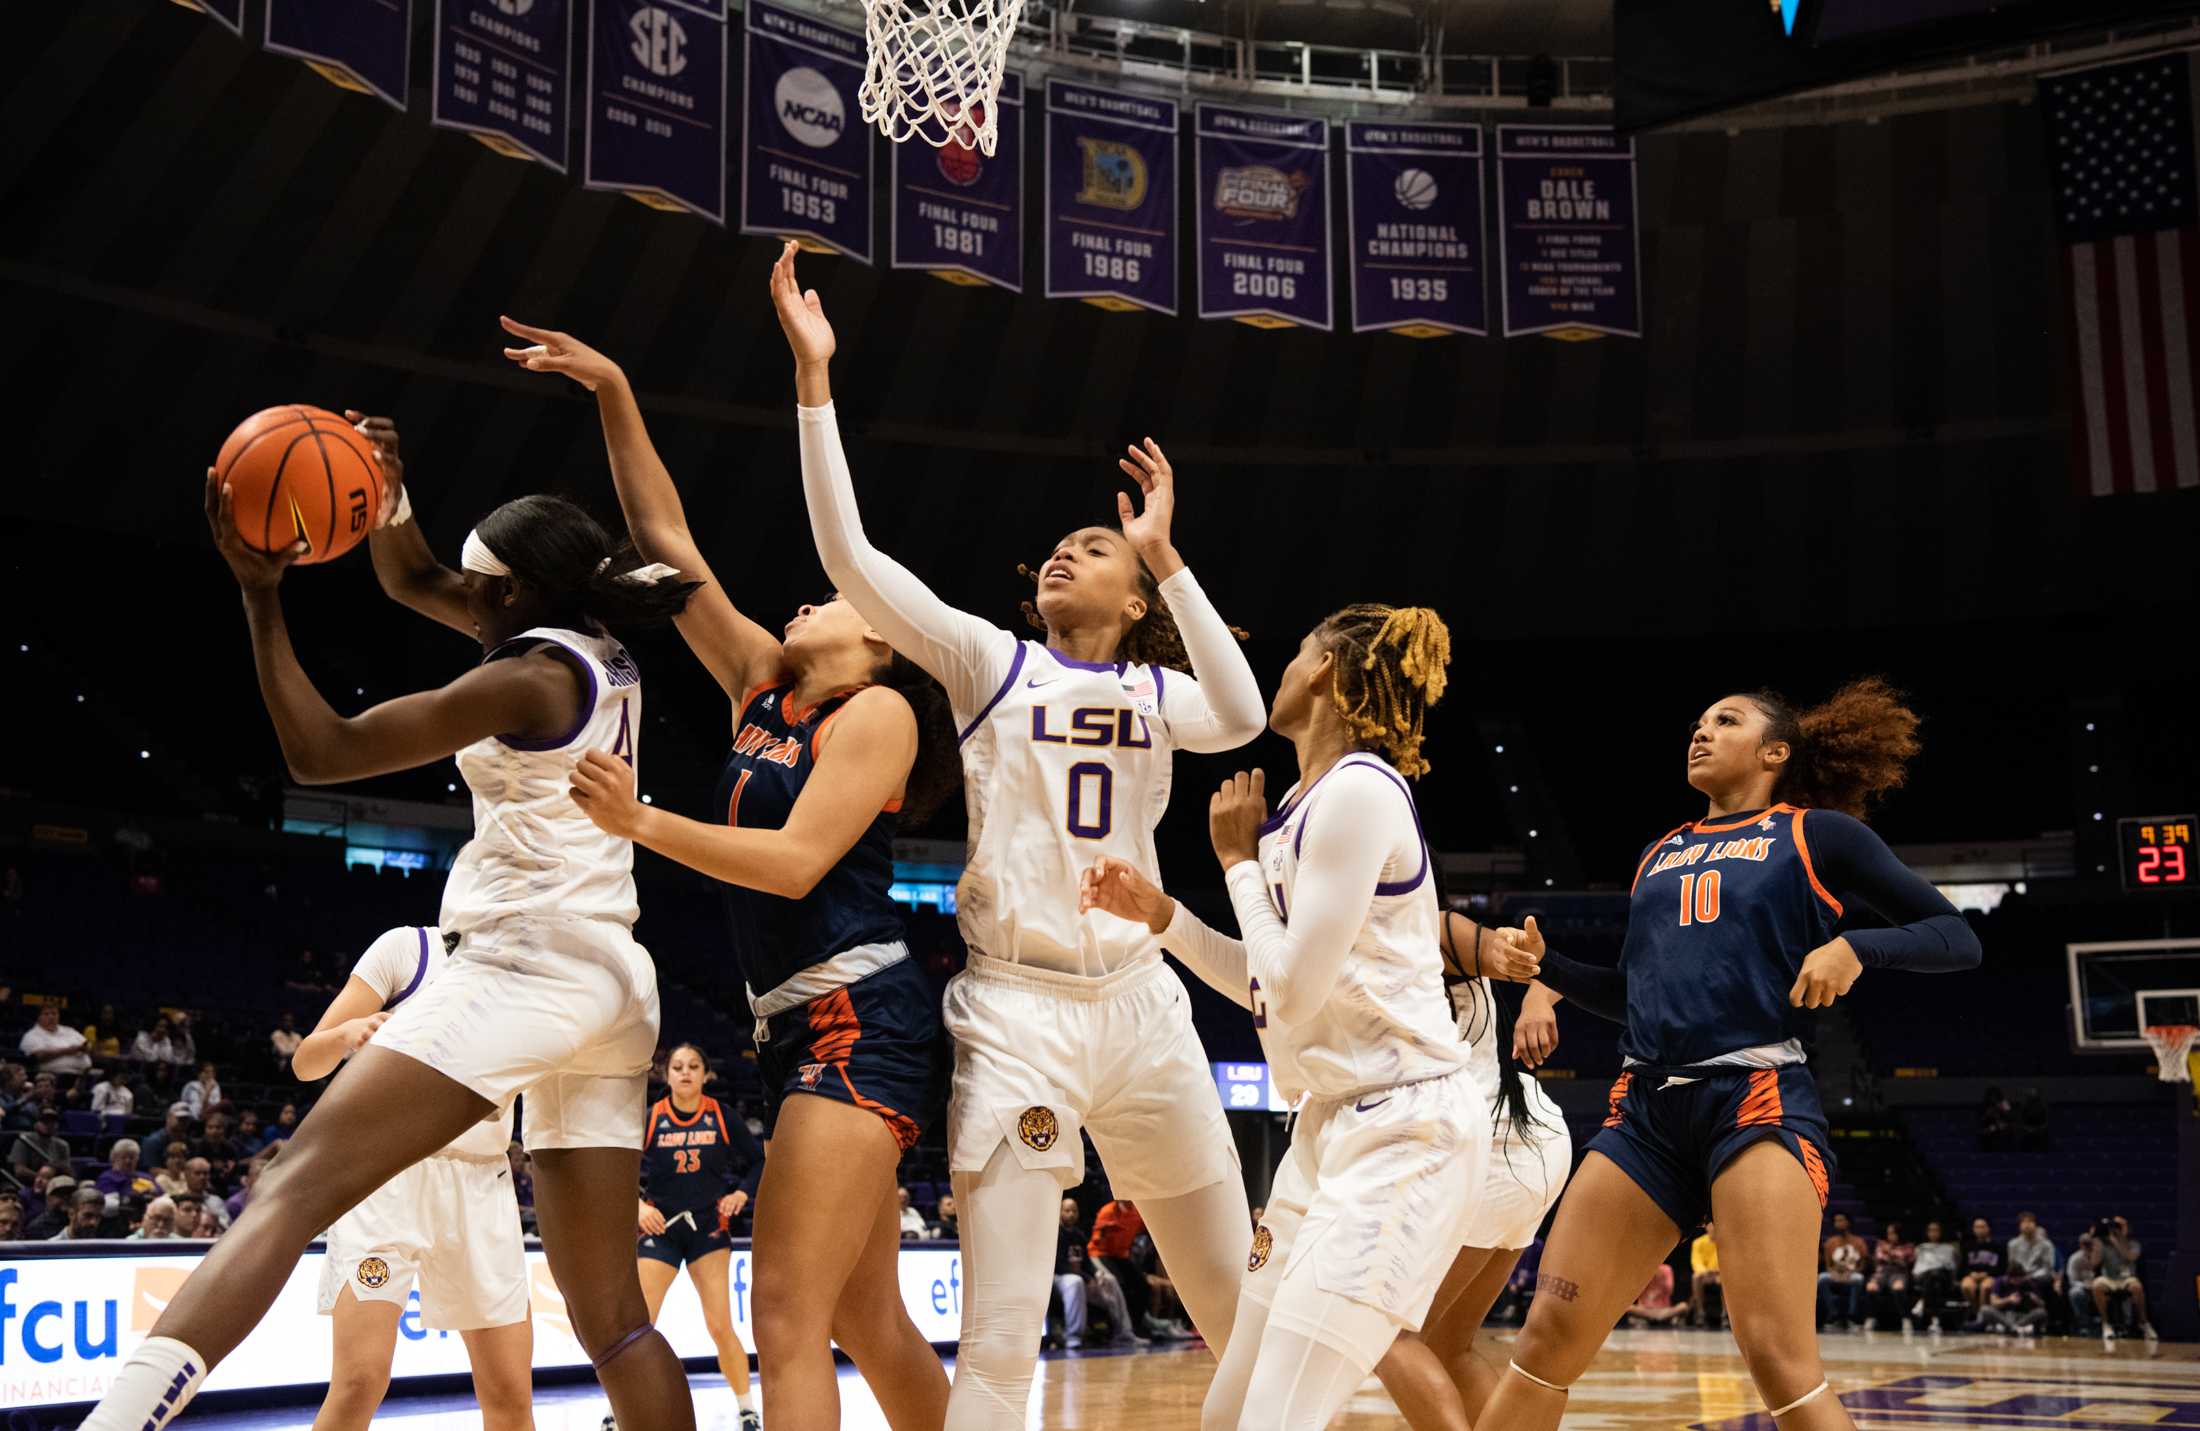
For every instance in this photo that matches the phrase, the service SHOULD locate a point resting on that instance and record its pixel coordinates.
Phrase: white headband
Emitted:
(476, 556)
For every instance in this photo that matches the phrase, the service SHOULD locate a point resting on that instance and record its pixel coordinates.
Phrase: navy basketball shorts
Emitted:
(1674, 1140)
(689, 1236)
(876, 1044)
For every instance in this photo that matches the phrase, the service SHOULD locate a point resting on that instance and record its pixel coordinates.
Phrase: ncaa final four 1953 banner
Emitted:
(1263, 217)
(229, 14)
(500, 74)
(1568, 241)
(805, 150)
(364, 45)
(657, 103)
(1111, 198)
(1413, 201)
(959, 214)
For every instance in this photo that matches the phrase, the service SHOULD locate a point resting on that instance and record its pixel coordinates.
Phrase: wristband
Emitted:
(404, 512)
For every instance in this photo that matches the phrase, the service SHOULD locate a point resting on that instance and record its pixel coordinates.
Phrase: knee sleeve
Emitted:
(1353, 1329)
(1009, 1214)
(1298, 1384)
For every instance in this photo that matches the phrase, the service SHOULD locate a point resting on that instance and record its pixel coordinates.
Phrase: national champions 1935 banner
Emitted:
(657, 103)
(363, 45)
(959, 214)
(1263, 216)
(805, 150)
(1413, 205)
(1111, 216)
(1570, 245)
(502, 74)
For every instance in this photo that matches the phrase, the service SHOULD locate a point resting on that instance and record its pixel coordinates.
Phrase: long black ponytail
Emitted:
(584, 575)
(936, 773)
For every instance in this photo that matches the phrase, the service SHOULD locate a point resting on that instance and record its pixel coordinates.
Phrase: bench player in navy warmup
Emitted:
(1739, 923)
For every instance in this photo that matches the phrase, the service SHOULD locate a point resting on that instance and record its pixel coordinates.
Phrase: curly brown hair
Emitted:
(1390, 669)
(1847, 752)
(1153, 641)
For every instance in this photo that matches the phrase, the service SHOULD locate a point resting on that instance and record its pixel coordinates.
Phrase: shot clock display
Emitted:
(2157, 855)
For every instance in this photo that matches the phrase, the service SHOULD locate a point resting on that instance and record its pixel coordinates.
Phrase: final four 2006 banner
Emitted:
(1570, 252)
(657, 103)
(1111, 198)
(805, 150)
(364, 45)
(959, 214)
(501, 74)
(1413, 197)
(1263, 217)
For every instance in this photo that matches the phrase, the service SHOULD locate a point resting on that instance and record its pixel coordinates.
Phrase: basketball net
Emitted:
(2170, 1043)
(935, 69)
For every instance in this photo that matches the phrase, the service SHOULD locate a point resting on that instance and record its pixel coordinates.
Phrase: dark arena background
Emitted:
(1887, 399)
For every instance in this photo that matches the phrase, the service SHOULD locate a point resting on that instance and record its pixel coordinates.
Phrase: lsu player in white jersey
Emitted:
(450, 1222)
(1064, 1022)
(1340, 965)
(547, 993)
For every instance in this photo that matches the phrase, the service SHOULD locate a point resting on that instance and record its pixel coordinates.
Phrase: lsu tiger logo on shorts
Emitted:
(373, 1272)
(1264, 1242)
(1036, 1126)
(810, 1073)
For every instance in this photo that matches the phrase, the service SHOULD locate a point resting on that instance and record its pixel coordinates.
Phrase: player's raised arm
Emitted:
(738, 652)
(967, 655)
(408, 571)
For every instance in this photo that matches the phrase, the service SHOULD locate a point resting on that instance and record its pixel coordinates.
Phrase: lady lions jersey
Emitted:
(533, 852)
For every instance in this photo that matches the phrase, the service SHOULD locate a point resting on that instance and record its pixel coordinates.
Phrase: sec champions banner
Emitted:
(501, 72)
(1413, 206)
(805, 150)
(1263, 217)
(229, 14)
(657, 103)
(959, 214)
(363, 45)
(1569, 244)
(1111, 198)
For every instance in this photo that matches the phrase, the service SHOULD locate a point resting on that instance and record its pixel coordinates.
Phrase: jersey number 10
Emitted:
(1699, 898)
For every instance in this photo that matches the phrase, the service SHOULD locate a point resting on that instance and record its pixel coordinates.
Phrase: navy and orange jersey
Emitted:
(691, 1161)
(775, 937)
(1725, 911)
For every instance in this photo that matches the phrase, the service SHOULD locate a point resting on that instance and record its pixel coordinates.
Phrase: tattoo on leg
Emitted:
(1558, 1287)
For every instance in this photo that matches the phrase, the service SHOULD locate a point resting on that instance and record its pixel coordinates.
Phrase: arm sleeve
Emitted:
(1218, 959)
(1361, 823)
(970, 657)
(1592, 987)
(1222, 708)
(1928, 937)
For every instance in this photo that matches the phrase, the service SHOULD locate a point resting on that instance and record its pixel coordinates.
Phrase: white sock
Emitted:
(158, 1381)
(745, 1395)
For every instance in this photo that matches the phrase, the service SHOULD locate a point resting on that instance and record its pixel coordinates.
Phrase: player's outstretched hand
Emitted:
(801, 315)
(650, 1221)
(255, 570)
(381, 435)
(550, 351)
(1828, 973)
(1117, 888)
(603, 786)
(1535, 1032)
(1234, 817)
(354, 1034)
(1148, 466)
(1514, 955)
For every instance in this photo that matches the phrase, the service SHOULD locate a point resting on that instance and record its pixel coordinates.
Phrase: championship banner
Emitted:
(1413, 207)
(1111, 198)
(1262, 224)
(657, 103)
(805, 150)
(959, 214)
(501, 73)
(229, 14)
(1568, 244)
(361, 45)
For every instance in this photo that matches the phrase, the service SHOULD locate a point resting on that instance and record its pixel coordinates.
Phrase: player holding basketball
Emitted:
(1392, 1134)
(547, 993)
(1735, 929)
(450, 1222)
(1064, 1023)
(836, 739)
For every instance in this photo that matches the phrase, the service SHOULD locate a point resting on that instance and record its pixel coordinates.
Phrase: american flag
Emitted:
(2120, 157)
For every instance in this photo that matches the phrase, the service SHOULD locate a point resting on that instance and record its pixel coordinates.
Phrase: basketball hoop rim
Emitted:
(2171, 1042)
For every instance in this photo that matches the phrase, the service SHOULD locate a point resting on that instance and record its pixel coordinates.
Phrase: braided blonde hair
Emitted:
(1390, 669)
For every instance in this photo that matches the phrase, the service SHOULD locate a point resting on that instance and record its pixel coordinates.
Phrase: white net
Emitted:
(935, 69)
(2171, 1042)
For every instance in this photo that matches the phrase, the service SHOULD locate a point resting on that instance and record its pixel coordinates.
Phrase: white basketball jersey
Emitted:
(1070, 761)
(399, 964)
(533, 852)
(1474, 1005)
(1387, 1021)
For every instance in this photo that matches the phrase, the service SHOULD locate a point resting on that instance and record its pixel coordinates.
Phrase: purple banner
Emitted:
(1111, 198)
(229, 14)
(657, 103)
(959, 214)
(363, 45)
(805, 150)
(502, 73)
(1262, 224)
(1413, 208)
(1569, 248)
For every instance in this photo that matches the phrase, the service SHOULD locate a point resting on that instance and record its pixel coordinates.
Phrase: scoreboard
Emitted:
(2155, 854)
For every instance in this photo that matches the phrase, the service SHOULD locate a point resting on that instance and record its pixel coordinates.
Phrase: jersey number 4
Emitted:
(623, 747)
(1699, 898)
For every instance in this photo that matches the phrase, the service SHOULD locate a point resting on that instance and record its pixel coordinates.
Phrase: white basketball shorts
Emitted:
(1528, 1167)
(452, 1225)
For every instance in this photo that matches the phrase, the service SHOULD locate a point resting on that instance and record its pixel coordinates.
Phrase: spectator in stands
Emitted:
(2014, 1306)
(285, 1040)
(168, 1177)
(243, 1196)
(44, 1089)
(943, 1222)
(1069, 1281)
(160, 1221)
(53, 1046)
(1165, 1316)
(113, 1094)
(100, 1039)
(1656, 1307)
(1996, 1121)
(32, 1190)
(11, 1217)
(1984, 1261)
(1114, 1231)
(1938, 1264)
(60, 1193)
(176, 1130)
(190, 1217)
(285, 1124)
(220, 1149)
(2119, 1276)
(2032, 1258)
(1888, 1287)
(87, 1214)
(1843, 1260)
(122, 1178)
(1703, 1263)
(912, 1221)
(2079, 1275)
(15, 1086)
(2032, 1121)
(42, 1145)
(202, 1093)
(198, 1177)
(159, 1045)
(250, 1139)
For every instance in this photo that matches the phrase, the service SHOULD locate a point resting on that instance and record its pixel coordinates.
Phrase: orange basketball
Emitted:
(301, 473)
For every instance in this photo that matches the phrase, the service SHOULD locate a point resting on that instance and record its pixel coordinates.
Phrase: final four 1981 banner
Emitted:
(1566, 199)
(805, 150)
(365, 45)
(959, 214)
(1263, 217)
(1413, 196)
(657, 103)
(1111, 198)
(501, 74)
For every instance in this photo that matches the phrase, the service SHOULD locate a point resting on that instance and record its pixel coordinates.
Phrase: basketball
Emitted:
(1415, 188)
(301, 472)
(959, 163)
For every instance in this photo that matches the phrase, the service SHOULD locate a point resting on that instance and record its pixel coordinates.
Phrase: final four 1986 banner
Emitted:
(501, 74)
(657, 103)
(1263, 217)
(1111, 198)
(805, 150)
(1413, 196)
(365, 45)
(959, 214)
(1566, 197)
